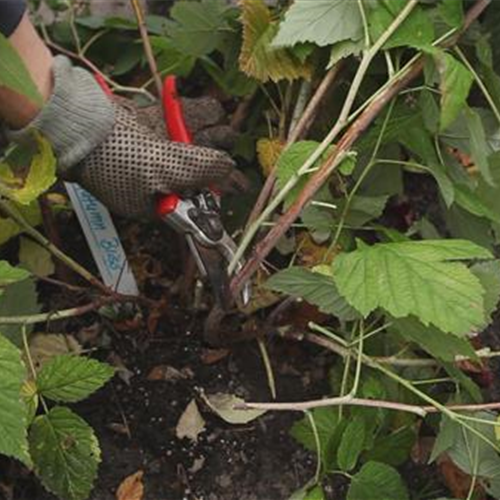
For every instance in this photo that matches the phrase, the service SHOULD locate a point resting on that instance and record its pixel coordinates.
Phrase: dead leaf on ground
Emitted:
(44, 346)
(223, 405)
(167, 373)
(131, 488)
(122, 371)
(191, 424)
(213, 356)
(119, 429)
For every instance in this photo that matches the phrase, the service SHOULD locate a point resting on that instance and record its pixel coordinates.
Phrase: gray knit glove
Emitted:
(104, 146)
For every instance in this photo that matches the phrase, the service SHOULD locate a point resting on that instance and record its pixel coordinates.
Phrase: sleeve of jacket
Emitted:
(11, 12)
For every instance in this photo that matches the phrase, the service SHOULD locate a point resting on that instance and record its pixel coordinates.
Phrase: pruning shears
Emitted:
(198, 216)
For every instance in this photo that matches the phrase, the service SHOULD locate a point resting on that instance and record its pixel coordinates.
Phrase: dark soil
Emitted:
(135, 418)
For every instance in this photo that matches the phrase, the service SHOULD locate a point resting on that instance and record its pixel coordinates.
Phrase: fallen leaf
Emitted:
(197, 465)
(223, 405)
(119, 429)
(167, 373)
(212, 356)
(44, 346)
(122, 371)
(191, 423)
(131, 488)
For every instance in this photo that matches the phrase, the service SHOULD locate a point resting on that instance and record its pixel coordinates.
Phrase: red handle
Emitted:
(177, 131)
(172, 107)
(103, 84)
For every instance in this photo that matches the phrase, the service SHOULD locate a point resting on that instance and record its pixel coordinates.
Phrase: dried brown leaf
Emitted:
(191, 424)
(131, 488)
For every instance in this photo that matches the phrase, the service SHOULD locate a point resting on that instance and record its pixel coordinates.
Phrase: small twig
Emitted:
(421, 411)
(143, 30)
(32, 319)
(271, 380)
(92, 67)
(340, 401)
(302, 101)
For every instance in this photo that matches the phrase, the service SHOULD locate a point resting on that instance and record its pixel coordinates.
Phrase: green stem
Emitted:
(314, 428)
(32, 365)
(480, 83)
(359, 182)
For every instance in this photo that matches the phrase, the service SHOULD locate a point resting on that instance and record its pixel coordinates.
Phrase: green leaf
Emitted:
(452, 12)
(473, 455)
(13, 417)
(416, 31)
(259, 59)
(432, 340)
(393, 449)
(488, 274)
(323, 22)
(292, 159)
(473, 203)
(9, 274)
(197, 28)
(351, 444)
(35, 258)
(377, 481)
(230, 79)
(364, 209)
(315, 494)
(330, 428)
(40, 177)
(344, 49)
(456, 82)
(9, 228)
(415, 278)
(170, 60)
(72, 378)
(65, 453)
(18, 299)
(14, 75)
(317, 289)
(478, 143)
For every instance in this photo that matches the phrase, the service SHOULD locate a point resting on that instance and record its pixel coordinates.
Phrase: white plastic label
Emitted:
(103, 240)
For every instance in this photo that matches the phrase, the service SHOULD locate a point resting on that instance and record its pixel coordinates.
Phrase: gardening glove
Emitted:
(205, 119)
(102, 145)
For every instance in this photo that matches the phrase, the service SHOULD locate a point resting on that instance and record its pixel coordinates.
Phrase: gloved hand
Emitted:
(112, 151)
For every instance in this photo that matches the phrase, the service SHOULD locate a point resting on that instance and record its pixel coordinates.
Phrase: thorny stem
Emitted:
(147, 45)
